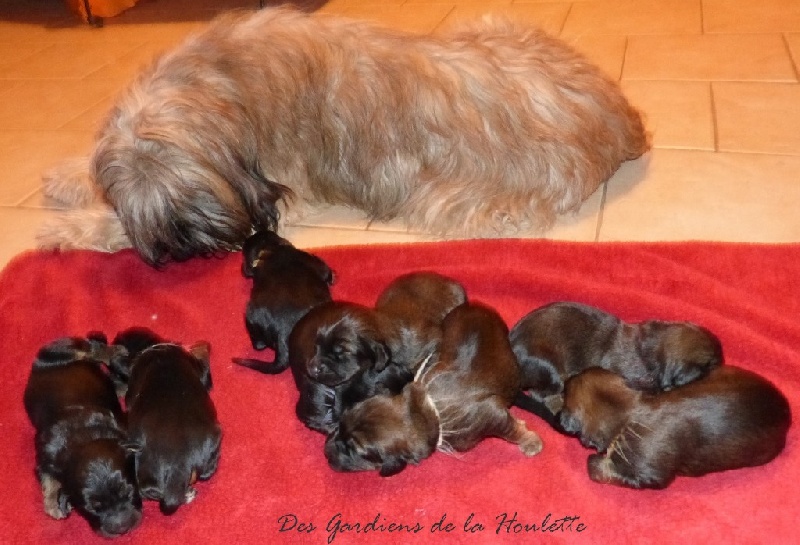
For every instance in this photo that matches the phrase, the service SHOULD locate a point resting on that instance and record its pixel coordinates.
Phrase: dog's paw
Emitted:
(191, 494)
(530, 443)
(54, 504)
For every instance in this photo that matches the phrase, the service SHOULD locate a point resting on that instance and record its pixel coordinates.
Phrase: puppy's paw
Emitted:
(54, 505)
(600, 468)
(530, 443)
(191, 494)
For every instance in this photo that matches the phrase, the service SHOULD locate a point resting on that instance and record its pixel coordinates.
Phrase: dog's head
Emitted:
(336, 341)
(384, 433)
(257, 249)
(596, 406)
(184, 182)
(129, 344)
(100, 484)
(684, 351)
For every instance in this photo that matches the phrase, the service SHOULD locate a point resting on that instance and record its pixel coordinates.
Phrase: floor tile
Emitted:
(700, 195)
(26, 154)
(744, 57)
(763, 16)
(758, 117)
(48, 104)
(629, 17)
(547, 16)
(18, 228)
(55, 61)
(607, 52)
(422, 18)
(678, 114)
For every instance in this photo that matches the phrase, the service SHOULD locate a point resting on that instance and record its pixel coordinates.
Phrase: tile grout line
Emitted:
(714, 122)
(795, 66)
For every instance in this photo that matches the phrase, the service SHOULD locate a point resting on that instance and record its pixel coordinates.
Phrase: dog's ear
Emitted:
(378, 352)
(201, 350)
(392, 466)
(319, 267)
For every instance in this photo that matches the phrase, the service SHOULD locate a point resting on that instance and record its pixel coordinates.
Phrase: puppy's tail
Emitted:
(266, 367)
(98, 229)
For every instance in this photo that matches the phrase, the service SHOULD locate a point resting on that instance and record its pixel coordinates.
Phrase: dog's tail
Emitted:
(266, 367)
(96, 229)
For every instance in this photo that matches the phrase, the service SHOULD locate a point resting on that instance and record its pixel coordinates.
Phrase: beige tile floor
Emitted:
(717, 80)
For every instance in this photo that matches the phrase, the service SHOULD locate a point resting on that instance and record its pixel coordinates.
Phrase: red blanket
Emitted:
(273, 484)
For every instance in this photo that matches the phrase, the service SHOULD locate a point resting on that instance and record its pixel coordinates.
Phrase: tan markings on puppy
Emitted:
(479, 130)
(50, 491)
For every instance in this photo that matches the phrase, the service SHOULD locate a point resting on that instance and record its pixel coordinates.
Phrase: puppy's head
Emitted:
(336, 341)
(100, 484)
(129, 343)
(257, 249)
(384, 433)
(596, 406)
(684, 351)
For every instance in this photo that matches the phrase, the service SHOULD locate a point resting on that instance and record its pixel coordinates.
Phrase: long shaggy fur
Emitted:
(478, 131)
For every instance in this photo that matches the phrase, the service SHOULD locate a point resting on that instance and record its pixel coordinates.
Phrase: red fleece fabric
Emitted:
(274, 485)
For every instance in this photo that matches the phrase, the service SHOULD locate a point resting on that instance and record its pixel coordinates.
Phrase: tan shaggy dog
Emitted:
(477, 131)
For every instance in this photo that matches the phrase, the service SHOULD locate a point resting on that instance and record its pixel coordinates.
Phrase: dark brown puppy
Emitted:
(340, 353)
(453, 403)
(558, 341)
(416, 303)
(172, 422)
(730, 419)
(287, 283)
(81, 460)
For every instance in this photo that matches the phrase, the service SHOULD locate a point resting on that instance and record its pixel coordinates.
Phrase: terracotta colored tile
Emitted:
(700, 195)
(26, 154)
(758, 117)
(629, 17)
(730, 17)
(678, 114)
(56, 61)
(48, 104)
(422, 18)
(18, 228)
(607, 52)
(547, 16)
(744, 57)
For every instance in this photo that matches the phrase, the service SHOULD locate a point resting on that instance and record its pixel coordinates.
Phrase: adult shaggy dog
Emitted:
(478, 131)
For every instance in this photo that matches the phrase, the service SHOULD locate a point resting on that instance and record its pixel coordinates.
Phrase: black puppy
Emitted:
(730, 419)
(453, 403)
(172, 422)
(416, 303)
(340, 353)
(558, 341)
(287, 283)
(81, 460)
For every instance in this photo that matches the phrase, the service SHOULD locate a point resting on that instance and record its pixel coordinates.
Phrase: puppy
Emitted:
(452, 404)
(562, 339)
(81, 460)
(341, 353)
(730, 419)
(129, 343)
(172, 422)
(480, 130)
(416, 303)
(287, 283)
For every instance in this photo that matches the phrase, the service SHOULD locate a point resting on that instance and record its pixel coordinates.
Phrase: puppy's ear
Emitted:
(201, 350)
(392, 466)
(320, 268)
(378, 352)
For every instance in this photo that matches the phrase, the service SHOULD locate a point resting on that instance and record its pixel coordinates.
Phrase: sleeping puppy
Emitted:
(172, 422)
(129, 344)
(453, 403)
(340, 353)
(558, 341)
(81, 460)
(416, 304)
(287, 283)
(730, 419)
